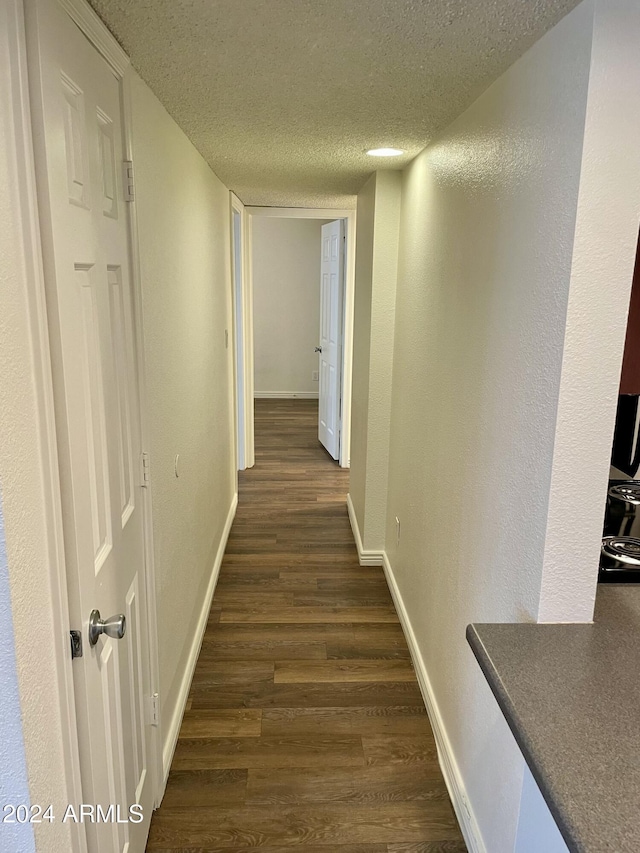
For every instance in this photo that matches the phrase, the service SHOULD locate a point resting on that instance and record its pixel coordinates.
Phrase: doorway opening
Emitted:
(300, 266)
(620, 551)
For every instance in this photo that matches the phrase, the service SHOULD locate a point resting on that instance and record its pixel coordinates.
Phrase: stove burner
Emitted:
(628, 492)
(622, 549)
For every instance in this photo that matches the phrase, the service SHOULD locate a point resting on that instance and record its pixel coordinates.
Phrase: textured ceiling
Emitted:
(284, 97)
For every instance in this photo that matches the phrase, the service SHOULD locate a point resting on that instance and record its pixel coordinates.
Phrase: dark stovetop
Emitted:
(618, 522)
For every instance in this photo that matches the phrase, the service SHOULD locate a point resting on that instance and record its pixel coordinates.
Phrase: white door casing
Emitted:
(239, 336)
(243, 355)
(331, 320)
(349, 221)
(78, 127)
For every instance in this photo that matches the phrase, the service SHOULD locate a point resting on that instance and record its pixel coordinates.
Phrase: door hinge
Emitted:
(145, 471)
(153, 714)
(76, 644)
(128, 184)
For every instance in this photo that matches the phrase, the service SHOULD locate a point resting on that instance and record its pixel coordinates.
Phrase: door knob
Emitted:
(318, 349)
(114, 626)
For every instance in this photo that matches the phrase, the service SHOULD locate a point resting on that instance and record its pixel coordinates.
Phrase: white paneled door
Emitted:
(78, 110)
(331, 323)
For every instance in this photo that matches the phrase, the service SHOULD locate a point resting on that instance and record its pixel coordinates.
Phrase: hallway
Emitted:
(305, 725)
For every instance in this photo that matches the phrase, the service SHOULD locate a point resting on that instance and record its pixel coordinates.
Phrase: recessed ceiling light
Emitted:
(385, 152)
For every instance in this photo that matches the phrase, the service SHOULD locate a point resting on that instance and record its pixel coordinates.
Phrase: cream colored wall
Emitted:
(362, 348)
(375, 295)
(184, 236)
(286, 303)
(488, 219)
(604, 252)
(385, 268)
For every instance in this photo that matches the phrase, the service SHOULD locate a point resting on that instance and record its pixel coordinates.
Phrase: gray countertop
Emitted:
(571, 696)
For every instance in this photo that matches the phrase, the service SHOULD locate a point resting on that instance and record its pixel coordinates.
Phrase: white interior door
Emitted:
(330, 350)
(77, 104)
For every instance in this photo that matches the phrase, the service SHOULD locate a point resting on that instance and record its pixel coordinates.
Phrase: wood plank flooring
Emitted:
(305, 726)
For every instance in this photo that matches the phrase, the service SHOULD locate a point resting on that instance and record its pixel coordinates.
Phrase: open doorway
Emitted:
(301, 342)
(620, 553)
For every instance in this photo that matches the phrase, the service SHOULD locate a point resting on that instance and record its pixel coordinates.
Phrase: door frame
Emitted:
(18, 117)
(349, 217)
(242, 303)
(99, 36)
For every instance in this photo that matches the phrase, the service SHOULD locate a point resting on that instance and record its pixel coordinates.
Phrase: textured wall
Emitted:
(383, 298)
(365, 224)
(286, 303)
(601, 274)
(376, 273)
(184, 222)
(488, 218)
(14, 786)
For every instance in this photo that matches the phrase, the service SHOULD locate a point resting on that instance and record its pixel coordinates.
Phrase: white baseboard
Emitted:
(448, 764)
(365, 558)
(286, 395)
(171, 739)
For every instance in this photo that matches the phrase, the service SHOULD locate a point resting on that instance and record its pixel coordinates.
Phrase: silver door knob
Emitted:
(114, 626)
(318, 349)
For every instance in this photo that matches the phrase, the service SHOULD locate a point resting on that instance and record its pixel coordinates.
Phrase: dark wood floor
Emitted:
(305, 726)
